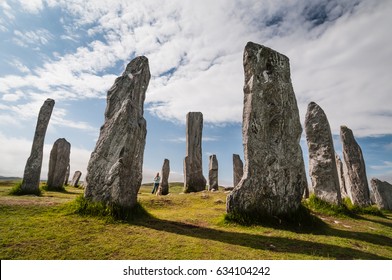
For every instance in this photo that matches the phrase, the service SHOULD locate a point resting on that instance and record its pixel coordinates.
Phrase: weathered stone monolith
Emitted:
(238, 169)
(382, 191)
(58, 163)
(194, 180)
(32, 172)
(213, 174)
(164, 185)
(342, 180)
(114, 172)
(358, 188)
(75, 179)
(274, 176)
(322, 164)
(67, 173)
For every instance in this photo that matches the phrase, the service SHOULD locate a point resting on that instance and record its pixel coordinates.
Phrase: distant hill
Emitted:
(10, 178)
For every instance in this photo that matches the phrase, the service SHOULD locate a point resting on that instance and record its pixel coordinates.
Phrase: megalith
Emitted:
(274, 177)
(322, 163)
(163, 188)
(58, 163)
(32, 171)
(213, 174)
(357, 184)
(194, 180)
(67, 173)
(341, 176)
(114, 171)
(382, 191)
(238, 169)
(75, 179)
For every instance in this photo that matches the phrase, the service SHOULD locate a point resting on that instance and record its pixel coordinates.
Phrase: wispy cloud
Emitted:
(37, 37)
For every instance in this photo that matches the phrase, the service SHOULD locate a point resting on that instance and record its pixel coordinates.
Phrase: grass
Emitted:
(17, 190)
(178, 226)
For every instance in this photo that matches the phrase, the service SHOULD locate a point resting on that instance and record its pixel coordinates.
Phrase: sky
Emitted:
(71, 51)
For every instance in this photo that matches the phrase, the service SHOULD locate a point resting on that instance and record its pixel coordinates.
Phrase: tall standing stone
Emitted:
(238, 169)
(67, 173)
(274, 176)
(357, 186)
(194, 180)
(114, 172)
(341, 176)
(32, 172)
(382, 193)
(75, 179)
(322, 164)
(213, 174)
(164, 185)
(58, 163)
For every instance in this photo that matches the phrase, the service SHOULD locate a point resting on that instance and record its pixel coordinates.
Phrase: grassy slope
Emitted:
(182, 226)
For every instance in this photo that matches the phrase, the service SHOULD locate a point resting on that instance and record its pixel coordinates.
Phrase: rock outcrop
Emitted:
(274, 177)
(213, 174)
(342, 180)
(238, 169)
(114, 172)
(194, 180)
(382, 193)
(164, 185)
(32, 172)
(356, 184)
(58, 163)
(75, 179)
(322, 164)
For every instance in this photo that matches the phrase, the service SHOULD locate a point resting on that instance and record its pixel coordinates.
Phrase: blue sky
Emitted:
(340, 54)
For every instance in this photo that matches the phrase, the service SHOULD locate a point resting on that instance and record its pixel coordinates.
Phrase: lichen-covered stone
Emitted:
(238, 169)
(114, 172)
(58, 163)
(382, 191)
(356, 184)
(341, 176)
(213, 174)
(32, 172)
(322, 164)
(194, 180)
(164, 185)
(274, 175)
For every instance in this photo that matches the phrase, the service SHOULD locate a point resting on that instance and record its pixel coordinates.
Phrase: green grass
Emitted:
(177, 226)
(17, 190)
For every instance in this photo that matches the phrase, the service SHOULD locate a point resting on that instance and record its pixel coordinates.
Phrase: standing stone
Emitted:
(75, 179)
(194, 180)
(382, 193)
(342, 181)
(114, 172)
(274, 176)
(356, 172)
(67, 173)
(238, 169)
(164, 185)
(322, 164)
(32, 172)
(213, 174)
(58, 163)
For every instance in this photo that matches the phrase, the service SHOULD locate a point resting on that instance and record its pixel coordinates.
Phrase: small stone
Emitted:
(213, 174)
(75, 179)
(382, 193)
(357, 184)
(163, 188)
(58, 163)
(67, 173)
(342, 180)
(238, 169)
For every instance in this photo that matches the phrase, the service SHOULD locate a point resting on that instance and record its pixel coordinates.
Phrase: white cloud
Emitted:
(37, 37)
(19, 65)
(31, 6)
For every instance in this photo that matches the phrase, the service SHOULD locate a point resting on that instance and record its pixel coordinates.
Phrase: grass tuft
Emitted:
(111, 212)
(302, 219)
(17, 190)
